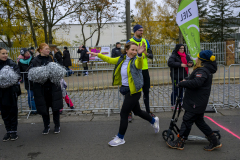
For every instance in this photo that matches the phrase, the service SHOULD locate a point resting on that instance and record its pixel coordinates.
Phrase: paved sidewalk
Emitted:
(85, 137)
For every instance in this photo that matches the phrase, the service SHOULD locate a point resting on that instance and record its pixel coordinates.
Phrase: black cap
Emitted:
(83, 46)
(23, 51)
(65, 48)
(118, 43)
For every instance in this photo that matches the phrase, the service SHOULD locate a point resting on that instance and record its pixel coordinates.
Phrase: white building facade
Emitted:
(110, 34)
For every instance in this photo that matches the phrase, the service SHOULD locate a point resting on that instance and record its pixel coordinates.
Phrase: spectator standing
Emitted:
(178, 62)
(31, 51)
(116, 52)
(58, 56)
(24, 66)
(67, 60)
(84, 59)
(18, 59)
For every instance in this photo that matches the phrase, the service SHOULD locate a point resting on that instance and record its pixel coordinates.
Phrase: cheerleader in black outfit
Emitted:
(8, 100)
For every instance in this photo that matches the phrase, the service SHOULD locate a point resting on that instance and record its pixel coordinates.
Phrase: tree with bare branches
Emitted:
(54, 11)
(104, 11)
(85, 15)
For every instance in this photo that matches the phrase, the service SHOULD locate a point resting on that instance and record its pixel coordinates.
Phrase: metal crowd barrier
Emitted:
(96, 94)
(161, 54)
(234, 85)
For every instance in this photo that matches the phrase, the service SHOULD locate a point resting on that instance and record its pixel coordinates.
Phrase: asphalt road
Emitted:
(86, 137)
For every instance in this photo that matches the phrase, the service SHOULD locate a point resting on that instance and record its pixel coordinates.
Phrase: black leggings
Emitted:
(188, 120)
(131, 103)
(146, 86)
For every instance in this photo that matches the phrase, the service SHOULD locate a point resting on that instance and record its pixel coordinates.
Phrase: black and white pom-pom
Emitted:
(56, 72)
(38, 74)
(8, 77)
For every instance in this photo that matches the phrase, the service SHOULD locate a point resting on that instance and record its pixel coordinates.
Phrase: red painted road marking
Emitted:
(222, 127)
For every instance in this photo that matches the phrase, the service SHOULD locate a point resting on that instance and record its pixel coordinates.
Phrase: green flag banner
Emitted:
(188, 22)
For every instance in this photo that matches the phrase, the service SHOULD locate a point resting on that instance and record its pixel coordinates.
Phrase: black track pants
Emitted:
(10, 117)
(56, 115)
(56, 119)
(131, 103)
(188, 120)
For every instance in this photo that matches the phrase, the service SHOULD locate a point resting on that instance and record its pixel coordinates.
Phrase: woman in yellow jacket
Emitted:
(128, 74)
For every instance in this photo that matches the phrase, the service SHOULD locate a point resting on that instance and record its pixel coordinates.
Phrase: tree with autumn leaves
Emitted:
(10, 26)
(158, 22)
(41, 16)
(24, 25)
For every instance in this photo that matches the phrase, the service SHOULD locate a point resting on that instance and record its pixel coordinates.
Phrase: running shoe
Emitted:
(6, 137)
(57, 130)
(46, 130)
(14, 136)
(156, 125)
(116, 141)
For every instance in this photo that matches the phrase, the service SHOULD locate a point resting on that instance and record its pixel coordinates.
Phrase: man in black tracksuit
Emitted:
(84, 58)
(198, 88)
(116, 52)
(67, 60)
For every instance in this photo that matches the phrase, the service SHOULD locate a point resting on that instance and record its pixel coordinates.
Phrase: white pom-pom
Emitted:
(56, 72)
(8, 77)
(38, 74)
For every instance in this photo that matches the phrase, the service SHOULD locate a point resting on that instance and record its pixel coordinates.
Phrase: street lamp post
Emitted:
(128, 22)
(90, 33)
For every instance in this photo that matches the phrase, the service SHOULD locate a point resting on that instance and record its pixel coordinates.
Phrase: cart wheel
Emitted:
(218, 135)
(168, 135)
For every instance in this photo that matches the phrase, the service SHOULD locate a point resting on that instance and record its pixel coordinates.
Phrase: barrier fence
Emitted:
(96, 94)
(161, 55)
(233, 87)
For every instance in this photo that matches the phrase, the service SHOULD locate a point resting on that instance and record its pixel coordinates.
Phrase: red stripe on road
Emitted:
(226, 129)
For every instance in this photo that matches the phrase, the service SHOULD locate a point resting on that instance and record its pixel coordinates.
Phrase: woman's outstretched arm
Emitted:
(105, 58)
